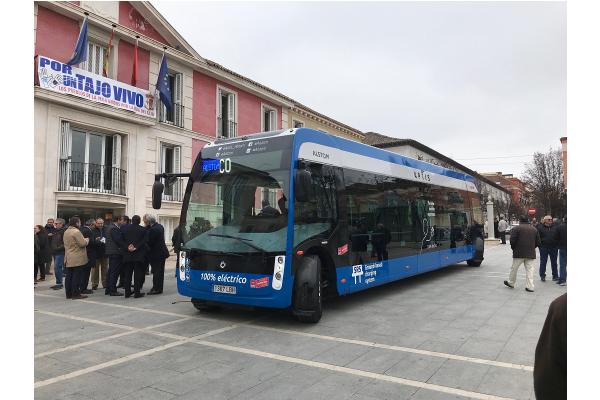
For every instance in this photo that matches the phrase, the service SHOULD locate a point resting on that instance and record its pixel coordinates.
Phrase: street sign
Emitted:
(531, 211)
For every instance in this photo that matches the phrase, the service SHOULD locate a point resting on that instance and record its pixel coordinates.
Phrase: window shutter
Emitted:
(272, 122)
(65, 140)
(177, 159)
(178, 99)
(116, 151)
(231, 107)
(231, 114)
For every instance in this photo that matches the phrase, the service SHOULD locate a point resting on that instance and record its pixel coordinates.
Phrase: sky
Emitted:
(482, 83)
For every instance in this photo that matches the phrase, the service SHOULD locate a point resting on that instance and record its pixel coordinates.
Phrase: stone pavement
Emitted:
(450, 334)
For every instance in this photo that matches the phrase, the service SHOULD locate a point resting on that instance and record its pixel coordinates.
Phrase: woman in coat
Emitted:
(75, 258)
(42, 256)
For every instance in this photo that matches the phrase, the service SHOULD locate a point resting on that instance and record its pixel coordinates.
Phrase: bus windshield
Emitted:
(238, 203)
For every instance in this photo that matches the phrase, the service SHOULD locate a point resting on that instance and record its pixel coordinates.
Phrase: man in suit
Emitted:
(89, 232)
(115, 248)
(135, 239)
(157, 254)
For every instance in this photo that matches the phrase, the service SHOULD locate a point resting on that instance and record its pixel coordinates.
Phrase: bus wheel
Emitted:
(307, 302)
(473, 263)
(202, 305)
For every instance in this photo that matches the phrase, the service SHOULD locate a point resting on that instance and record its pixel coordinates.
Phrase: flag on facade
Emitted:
(107, 55)
(134, 74)
(162, 84)
(81, 47)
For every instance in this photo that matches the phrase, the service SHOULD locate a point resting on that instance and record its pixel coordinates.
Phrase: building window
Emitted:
(226, 115)
(90, 161)
(95, 59)
(297, 124)
(170, 163)
(269, 118)
(175, 115)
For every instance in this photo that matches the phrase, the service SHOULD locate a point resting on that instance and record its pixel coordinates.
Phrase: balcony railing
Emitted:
(175, 191)
(84, 177)
(173, 117)
(227, 130)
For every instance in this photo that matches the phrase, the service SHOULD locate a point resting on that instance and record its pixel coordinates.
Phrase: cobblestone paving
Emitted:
(450, 334)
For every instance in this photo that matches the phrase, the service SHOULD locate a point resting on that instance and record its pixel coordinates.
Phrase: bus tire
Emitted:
(474, 263)
(202, 305)
(307, 300)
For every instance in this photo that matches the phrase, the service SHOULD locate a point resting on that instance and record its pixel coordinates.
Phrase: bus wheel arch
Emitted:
(307, 297)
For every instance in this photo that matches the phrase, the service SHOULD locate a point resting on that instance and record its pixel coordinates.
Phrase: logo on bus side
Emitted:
(320, 154)
(422, 175)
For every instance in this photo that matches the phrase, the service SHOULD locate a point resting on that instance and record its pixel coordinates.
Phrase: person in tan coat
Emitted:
(75, 258)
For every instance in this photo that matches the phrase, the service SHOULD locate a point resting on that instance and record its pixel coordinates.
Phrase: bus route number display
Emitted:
(222, 165)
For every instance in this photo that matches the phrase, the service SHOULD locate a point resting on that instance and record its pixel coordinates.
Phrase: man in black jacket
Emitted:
(89, 232)
(135, 239)
(58, 252)
(176, 241)
(114, 249)
(561, 242)
(157, 254)
(548, 247)
(523, 241)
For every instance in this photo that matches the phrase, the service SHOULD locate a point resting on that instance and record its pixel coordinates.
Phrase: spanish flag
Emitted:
(134, 74)
(107, 54)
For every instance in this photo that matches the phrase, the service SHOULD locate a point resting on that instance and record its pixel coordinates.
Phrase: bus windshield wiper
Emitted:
(243, 240)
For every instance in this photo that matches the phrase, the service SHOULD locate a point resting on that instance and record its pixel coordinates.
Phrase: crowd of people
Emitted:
(95, 253)
(550, 237)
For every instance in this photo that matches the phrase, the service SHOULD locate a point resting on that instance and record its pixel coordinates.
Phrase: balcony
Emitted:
(175, 191)
(94, 178)
(173, 117)
(227, 128)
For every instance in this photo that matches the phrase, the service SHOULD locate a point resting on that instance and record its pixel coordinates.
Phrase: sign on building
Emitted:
(63, 78)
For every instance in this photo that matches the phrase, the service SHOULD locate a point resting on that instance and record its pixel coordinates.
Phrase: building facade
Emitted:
(94, 158)
(520, 194)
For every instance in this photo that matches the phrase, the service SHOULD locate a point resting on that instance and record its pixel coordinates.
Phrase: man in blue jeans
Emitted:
(58, 251)
(561, 240)
(548, 247)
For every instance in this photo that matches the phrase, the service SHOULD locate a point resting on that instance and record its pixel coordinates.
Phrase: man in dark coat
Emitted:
(157, 254)
(523, 241)
(176, 241)
(550, 368)
(135, 238)
(548, 247)
(114, 249)
(89, 232)
(50, 228)
(561, 243)
(58, 252)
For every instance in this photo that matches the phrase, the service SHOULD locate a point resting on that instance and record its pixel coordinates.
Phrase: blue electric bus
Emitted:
(281, 219)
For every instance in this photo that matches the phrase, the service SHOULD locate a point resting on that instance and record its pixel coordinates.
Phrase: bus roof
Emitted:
(329, 149)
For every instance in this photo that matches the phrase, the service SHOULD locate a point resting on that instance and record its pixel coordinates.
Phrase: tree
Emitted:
(545, 178)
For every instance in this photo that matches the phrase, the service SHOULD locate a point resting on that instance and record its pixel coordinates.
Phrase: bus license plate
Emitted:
(224, 289)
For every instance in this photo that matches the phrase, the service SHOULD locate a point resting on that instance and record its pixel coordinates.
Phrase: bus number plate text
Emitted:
(224, 289)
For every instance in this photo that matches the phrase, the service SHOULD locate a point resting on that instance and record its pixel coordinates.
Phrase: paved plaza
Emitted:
(450, 334)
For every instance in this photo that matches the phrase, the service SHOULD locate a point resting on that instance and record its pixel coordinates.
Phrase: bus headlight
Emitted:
(278, 272)
(181, 266)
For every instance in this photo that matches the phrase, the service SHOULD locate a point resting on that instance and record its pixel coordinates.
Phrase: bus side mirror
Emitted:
(157, 191)
(303, 186)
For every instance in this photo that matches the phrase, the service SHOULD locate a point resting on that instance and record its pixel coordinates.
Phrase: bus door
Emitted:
(425, 229)
(317, 221)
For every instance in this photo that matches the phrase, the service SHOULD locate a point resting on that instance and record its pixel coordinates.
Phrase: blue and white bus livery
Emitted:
(281, 219)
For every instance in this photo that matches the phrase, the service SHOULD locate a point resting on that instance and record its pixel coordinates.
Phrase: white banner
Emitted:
(63, 78)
